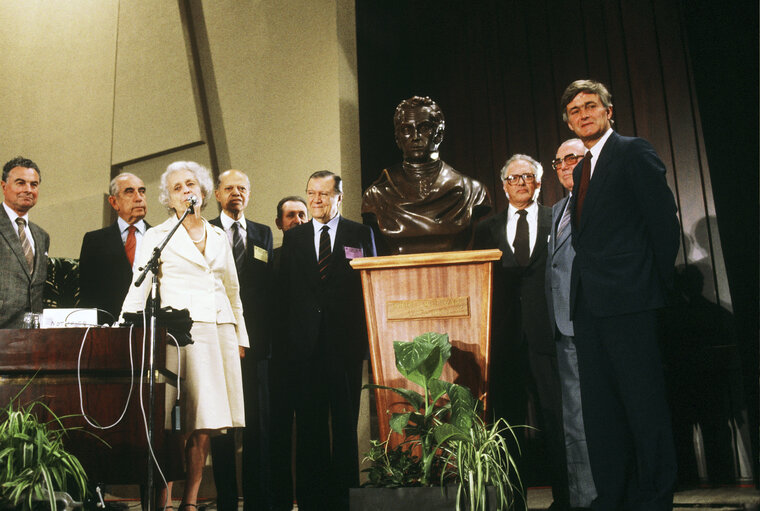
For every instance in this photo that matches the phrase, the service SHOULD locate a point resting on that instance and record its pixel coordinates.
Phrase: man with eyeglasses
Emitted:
(626, 236)
(523, 355)
(558, 268)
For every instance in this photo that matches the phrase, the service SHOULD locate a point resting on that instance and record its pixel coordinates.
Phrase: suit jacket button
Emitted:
(319, 309)
(554, 265)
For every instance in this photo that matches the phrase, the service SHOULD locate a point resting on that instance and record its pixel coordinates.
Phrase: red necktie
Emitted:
(131, 243)
(583, 187)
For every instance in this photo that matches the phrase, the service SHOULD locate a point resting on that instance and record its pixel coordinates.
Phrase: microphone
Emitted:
(191, 201)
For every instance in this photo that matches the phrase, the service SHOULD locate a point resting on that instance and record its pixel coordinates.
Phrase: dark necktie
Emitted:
(522, 239)
(583, 187)
(28, 254)
(324, 252)
(130, 244)
(238, 247)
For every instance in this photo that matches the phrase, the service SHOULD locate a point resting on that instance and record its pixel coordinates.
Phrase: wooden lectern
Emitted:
(444, 292)
(49, 357)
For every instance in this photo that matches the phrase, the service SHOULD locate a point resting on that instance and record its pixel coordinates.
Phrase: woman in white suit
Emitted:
(197, 272)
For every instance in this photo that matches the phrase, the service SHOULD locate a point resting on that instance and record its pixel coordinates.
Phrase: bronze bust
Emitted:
(422, 204)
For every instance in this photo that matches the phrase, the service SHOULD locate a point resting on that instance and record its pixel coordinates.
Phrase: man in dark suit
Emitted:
(23, 245)
(626, 236)
(324, 343)
(558, 270)
(108, 254)
(252, 248)
(523, 355)
(291, 211)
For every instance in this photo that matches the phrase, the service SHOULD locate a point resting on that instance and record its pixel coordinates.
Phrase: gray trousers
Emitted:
(581, 482)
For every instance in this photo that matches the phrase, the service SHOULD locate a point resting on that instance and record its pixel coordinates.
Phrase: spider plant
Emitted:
(33, 461)
(479, 459)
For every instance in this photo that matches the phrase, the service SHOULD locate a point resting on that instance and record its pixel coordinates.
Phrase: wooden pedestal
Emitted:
(408, 295)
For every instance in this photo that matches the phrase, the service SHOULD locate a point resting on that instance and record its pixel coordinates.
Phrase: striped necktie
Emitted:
(238, 247)
(324, 252)
(28, 253)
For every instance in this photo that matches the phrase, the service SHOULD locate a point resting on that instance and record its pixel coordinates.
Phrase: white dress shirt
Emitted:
(140, 229)
(597, 150)
(13, 216)
(227, 222)
(532, 218)
(333, 225)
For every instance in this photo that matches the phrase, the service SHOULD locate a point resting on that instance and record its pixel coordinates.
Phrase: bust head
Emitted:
(419, 126)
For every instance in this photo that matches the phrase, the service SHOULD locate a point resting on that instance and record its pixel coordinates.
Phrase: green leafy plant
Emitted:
(33, 461)
(442, 425)
(62, 284)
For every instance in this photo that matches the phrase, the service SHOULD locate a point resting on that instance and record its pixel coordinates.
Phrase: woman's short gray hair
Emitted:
(200, 172)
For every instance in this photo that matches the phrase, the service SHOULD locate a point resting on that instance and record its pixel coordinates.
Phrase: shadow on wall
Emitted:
(704, 375)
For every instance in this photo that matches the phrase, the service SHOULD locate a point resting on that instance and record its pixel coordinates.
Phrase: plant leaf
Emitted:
(399, 421)
(412, 397)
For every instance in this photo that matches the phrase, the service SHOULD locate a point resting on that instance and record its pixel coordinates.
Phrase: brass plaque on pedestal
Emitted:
(454, 307)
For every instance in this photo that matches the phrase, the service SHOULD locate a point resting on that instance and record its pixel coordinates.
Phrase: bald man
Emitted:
(251, 244)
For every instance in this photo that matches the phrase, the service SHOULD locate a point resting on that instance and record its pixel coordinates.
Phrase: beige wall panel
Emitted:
(348, 91)
(277, 68)
(154, 104)
(150, 172)
(56, 93)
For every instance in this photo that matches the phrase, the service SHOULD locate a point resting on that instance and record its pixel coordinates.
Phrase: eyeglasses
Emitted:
(569, 159)
(514, 178)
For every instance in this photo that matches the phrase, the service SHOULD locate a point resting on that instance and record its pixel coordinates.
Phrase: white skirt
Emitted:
(211, 380)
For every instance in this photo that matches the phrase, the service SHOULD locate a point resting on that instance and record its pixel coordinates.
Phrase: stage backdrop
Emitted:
(498, 68)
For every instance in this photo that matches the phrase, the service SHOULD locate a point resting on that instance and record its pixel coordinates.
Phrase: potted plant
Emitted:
(34, 466)
(445, 440)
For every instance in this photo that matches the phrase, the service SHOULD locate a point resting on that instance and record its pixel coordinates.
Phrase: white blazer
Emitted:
(205, 285)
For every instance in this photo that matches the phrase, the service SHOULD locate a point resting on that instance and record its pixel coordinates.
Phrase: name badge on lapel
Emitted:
(260, 254)
(353, 253)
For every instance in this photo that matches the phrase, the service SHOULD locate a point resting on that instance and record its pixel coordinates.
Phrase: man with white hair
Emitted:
(107, 256)
(523, 355)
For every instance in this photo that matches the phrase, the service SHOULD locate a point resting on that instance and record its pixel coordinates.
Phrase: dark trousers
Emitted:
(255, 472)
(518, 376)
(326, 450)
(280, 452)
(625, 411)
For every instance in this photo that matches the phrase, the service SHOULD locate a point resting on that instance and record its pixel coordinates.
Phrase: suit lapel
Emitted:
(557, 241)
(543, 228)
(308, 253)
(40, 254)
(596, 184)
(116, 245)
(216, 245)
(11, 237)
(182, 245)
(499, 233)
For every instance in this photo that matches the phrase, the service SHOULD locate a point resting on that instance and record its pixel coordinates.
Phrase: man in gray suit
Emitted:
(23, 245)
(558, 268)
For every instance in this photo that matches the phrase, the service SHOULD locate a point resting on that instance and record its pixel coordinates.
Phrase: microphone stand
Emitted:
(152, 308)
